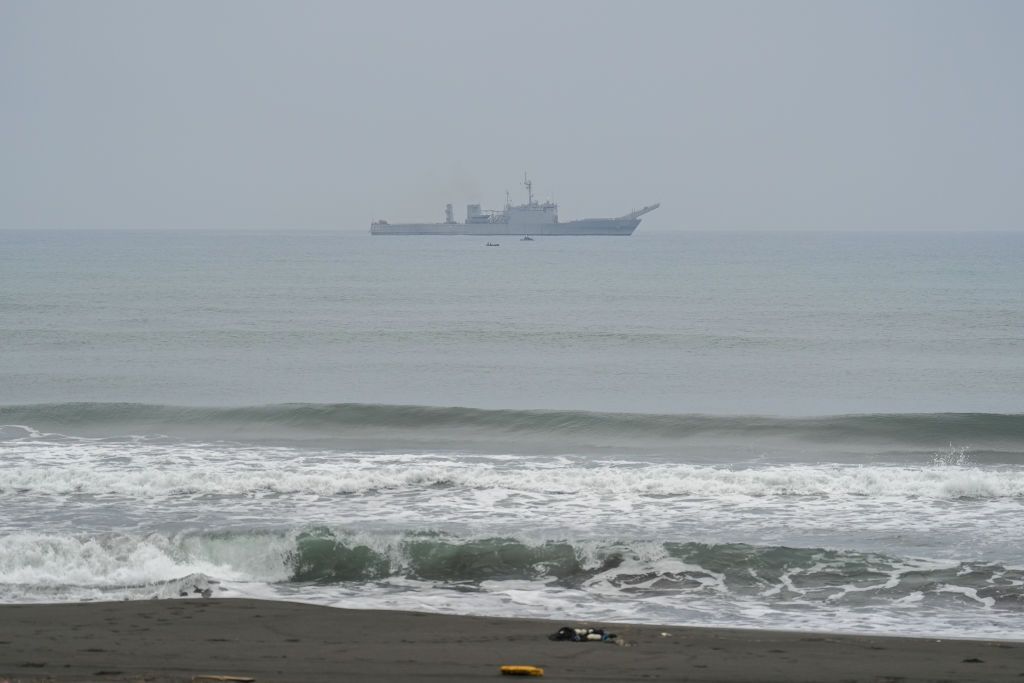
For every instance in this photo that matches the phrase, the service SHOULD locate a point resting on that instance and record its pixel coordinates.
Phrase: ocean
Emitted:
(784, 430)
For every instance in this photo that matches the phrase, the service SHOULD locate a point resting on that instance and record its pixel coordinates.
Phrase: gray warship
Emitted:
(531, 218)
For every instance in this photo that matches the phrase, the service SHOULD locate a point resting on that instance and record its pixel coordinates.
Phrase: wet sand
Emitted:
(175, 640)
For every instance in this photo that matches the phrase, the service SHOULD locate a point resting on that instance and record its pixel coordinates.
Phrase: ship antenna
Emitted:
(529, 189)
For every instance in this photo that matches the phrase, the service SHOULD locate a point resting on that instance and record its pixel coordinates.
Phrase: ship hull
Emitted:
(622, 227)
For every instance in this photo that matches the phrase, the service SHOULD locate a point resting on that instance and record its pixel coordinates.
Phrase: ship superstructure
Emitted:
(531, 218)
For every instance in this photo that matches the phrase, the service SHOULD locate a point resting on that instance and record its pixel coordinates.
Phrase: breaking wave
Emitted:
(573, 518)
(313, 421)
(155, 565)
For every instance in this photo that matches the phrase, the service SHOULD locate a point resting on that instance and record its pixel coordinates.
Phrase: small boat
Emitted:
(526, 239)
(493, 244)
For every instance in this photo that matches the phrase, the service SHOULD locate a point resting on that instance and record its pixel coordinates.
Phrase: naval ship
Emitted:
(531, 218)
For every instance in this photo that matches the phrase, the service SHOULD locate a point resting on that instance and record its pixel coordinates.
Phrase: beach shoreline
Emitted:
(176, 640)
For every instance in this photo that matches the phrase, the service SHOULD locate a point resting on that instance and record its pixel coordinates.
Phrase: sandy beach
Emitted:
(176, 640)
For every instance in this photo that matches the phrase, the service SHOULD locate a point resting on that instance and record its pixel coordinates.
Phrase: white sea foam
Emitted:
(641, 581)
(623, 516)
(148, 471)
(118, 560)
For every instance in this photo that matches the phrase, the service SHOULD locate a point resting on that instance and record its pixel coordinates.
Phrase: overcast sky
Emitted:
(749, 115)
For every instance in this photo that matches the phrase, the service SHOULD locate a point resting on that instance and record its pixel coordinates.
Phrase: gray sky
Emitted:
(808, 115)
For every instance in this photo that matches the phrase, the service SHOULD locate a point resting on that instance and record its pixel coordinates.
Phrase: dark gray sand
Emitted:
(174, 640)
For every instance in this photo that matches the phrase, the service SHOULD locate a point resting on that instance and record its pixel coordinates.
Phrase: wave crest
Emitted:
(306, 420)
(639, 568)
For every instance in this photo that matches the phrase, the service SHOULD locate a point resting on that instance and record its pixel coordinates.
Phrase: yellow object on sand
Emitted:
(510, 670)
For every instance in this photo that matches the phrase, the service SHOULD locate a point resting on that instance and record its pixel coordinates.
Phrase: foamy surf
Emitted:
(59, 465)
(859, 523)
(640, 580)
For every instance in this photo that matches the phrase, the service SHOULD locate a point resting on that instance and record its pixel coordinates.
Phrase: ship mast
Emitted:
(529, 189)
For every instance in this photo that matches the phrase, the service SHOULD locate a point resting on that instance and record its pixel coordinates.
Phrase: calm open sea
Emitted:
(775, 430)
